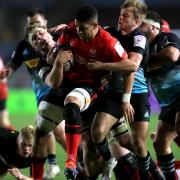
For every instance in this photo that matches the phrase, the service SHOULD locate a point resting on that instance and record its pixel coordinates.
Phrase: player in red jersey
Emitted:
(4, 116)
(78, 88)
(165, 26)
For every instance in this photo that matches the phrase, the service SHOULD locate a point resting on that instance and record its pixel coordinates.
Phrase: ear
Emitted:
(138, 21)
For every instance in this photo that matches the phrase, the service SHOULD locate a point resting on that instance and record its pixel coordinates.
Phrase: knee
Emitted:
(98, 134)
(72, 113)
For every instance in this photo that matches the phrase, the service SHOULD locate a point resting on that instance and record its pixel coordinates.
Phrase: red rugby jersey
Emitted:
(103, 47)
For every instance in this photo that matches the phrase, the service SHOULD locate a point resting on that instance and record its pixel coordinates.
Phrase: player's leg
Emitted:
(106, 117)
(48, 117)
(77, 101)
(52, 168)
(59, 133)
(4, 115)
(126, 162)
(165, 134)
(92, 159)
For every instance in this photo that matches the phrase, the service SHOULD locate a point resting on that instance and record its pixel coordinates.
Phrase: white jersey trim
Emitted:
(119, 49)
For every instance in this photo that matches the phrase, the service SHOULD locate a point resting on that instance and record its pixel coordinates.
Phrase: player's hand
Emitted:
(15, 172)
(51, 56)
(57, 28)
(4, 73)
(94, 65)
(127, 111)
(64, 56)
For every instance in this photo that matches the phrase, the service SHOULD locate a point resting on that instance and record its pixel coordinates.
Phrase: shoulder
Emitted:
(70, 28)
(8, 134)
(139, 38)
(106, 36)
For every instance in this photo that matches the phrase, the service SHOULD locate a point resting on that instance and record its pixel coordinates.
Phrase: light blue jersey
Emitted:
(165, 83)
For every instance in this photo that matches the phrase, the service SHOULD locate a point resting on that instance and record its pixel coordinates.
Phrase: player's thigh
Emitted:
(102, 123)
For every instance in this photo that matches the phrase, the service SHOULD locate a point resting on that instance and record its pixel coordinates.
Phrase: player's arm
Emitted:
(15, 172)
(169, 53)
(118, 62)
(126, 107)
(14, 63)
(55, 76)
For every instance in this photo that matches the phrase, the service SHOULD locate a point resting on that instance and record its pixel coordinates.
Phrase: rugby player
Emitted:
(25, 53)
(15, 151)
(163, 73)
(135, 43)
(84, 36)
(4, 115)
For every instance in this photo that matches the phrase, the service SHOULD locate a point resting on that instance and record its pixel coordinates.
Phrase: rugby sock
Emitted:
(126, 167)
(154, 170)
(51, 159)
(143, 166)
(103, 149)
(72, 142)
(167, 165)
(72, 129)
(38, 168)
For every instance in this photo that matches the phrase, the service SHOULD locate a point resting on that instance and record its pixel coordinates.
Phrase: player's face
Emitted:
(146, 28)
(126, 19)
(37, 19)
(24, 147)
(86, 31)
(42, 41)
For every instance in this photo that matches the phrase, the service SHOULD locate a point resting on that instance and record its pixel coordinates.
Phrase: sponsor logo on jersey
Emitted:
(140, 41)
(146, 114)
(32, 63)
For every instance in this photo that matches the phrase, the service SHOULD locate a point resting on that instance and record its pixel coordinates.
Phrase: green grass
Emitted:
(20, 121)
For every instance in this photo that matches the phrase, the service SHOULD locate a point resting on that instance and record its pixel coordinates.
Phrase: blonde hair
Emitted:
(140, 9)
(27, 133)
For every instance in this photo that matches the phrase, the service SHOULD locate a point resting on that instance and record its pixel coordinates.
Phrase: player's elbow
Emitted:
(52, 83)
(134, 66)
(173, 54)
(55, 85)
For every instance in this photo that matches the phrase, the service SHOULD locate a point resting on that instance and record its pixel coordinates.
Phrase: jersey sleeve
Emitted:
(64, 38)
(139, 44)
(17, 57)
(172, 40)
(115, 51)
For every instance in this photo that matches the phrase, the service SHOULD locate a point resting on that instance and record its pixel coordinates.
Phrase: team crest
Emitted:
(92, 52)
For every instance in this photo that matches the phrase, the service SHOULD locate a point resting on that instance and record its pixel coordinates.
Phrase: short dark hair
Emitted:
(152, 15)
(86, 13)
(34, 12)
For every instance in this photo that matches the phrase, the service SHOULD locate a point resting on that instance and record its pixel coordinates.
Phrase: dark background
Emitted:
(13, 12)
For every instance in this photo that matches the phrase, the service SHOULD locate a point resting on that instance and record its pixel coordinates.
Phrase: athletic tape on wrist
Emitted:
(126, 97)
